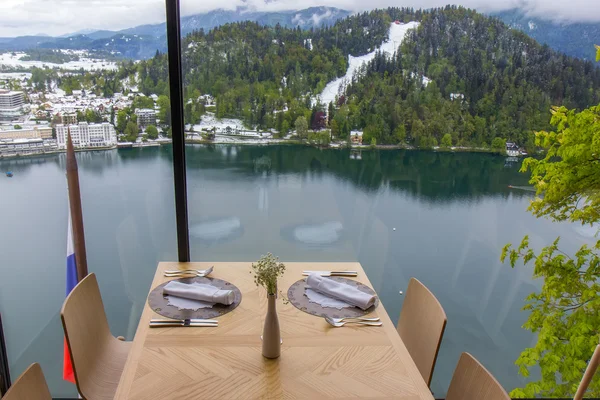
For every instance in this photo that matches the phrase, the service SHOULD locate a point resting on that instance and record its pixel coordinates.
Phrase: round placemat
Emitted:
(297, 296)
(160, 303)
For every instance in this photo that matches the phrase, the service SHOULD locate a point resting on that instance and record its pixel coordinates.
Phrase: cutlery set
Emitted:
(179, 273)
(212, 323)
(339, 322)
(331, 273)
(169, 323)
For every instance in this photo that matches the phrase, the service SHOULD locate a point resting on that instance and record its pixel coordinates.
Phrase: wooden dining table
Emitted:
(317, 360)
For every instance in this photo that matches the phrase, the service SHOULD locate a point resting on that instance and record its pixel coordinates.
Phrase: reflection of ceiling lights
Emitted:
(262, 163)
(325, 233)
(217, 229)
(587, 230)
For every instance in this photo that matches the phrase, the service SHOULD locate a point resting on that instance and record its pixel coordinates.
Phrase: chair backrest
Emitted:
(471, 381)
(421, 326)
(31, 385)
(87, 333)
(588, 374)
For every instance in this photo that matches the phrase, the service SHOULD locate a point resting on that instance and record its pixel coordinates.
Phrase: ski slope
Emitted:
(395, 37)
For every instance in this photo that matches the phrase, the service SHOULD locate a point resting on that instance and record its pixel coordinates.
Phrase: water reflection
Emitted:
(322, 234)
(452, 214)
(217, 230)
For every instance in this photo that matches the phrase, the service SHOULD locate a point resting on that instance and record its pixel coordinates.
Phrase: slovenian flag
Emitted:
(68, 374)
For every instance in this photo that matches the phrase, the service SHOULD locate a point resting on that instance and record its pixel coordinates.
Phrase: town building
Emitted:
(41, 114)
(145, 117)
(87, 135)
(512, 149)
(12, 104)
(356, 137)
(33, 133)
(69, 118)
(21, 147)
(11, 99)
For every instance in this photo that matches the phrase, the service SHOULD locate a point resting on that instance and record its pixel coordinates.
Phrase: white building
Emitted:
(21, 147)
(12, 103)
(145, 117)
(87, 135)
(11, 99)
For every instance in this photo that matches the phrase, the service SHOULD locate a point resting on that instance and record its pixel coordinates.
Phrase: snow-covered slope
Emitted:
(396, 35)
(12, 59)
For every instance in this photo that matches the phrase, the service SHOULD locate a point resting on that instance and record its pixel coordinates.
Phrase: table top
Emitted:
(317, 360)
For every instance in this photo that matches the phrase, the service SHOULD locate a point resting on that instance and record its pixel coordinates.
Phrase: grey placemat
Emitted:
(160, 303)
(297, 296)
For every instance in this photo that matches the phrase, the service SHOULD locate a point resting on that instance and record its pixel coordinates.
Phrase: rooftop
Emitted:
(9, 92)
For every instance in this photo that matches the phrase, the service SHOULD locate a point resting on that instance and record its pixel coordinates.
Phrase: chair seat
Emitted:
(98, 357)
(471, 381)
(421, 326)
(31, 385)
(106, 374)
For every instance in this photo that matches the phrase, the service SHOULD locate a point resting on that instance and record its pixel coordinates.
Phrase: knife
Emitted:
(179, 321)
(190, 325)
(331, 273)
(184, 323)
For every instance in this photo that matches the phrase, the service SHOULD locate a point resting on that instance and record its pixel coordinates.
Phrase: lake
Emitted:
(440, 217)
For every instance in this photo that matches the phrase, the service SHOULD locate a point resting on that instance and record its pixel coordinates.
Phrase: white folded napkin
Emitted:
(199, 291)
(340, 291)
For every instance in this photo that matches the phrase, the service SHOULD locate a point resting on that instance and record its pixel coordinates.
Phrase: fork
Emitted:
(340, 324)
(336, 320)
(197, 272)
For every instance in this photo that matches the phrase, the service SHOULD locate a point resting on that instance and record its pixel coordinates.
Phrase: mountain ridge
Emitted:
(155, 34)
(574, 39)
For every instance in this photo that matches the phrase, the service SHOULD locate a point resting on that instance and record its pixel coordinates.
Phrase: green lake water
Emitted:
(440, 217)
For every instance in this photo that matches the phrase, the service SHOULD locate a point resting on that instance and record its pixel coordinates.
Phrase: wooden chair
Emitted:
(421, 326)
(588, 374)
(31, 385)
(471, 381)
(97, 356)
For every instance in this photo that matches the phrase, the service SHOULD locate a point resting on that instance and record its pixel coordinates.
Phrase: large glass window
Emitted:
(281, 157)
(126, 192)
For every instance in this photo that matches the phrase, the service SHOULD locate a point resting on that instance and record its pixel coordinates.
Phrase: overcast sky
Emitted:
(57, 17)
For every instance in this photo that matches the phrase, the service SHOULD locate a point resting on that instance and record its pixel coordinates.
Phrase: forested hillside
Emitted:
(487, 80)
(572, 38)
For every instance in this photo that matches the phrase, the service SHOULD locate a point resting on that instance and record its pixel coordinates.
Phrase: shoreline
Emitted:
(270, 142)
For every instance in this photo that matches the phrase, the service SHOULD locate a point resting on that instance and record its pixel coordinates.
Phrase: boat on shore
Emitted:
(9, 174)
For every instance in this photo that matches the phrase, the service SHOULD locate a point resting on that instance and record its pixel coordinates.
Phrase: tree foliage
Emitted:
(301, 127)
(320, 138)
(131, 131)
(152, 132)
(446, 141)
(164, 110)
(142, 102)
(565, 314)
(486, 81)
(499, 144)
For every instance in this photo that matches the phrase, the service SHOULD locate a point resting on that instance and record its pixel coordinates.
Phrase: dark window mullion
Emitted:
(177, 125)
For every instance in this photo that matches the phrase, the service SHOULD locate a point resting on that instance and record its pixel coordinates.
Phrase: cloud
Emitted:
(56, 17)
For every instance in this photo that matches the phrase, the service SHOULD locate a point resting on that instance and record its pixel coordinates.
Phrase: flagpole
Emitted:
(76, 212)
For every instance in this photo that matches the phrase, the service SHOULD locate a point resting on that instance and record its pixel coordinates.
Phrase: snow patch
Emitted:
(308, 43)
(396, 35)
(88, 64)
(209, 121)
(532, 25)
